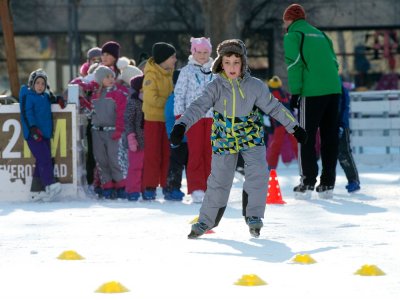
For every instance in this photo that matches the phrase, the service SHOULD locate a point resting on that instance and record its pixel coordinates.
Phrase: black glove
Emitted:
(295, 101)
(36, 134)
(300, 134)
(177, 133)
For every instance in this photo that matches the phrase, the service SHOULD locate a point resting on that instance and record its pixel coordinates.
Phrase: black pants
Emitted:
(90, 161)
(178, 160)
(346, 159)
(319, 112)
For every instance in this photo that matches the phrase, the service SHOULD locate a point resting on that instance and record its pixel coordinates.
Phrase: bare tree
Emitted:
(220, 19)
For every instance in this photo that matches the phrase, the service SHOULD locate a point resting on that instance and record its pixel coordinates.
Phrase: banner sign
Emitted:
(15, 156)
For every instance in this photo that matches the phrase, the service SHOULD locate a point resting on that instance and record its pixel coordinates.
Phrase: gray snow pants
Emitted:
(220, 181)
(105, 151)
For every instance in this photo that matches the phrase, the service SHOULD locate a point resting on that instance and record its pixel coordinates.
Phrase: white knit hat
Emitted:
(127, 71)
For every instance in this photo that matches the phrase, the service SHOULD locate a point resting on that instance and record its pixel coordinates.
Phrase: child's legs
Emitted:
(90, 162)
(346, 159)
(152, 154)
(178, 160)
(196, 170)
(44, 164)
(114, 161)
(100, 154)
(135, 172)
(219, 185)
(256, 181)
(274, 149)
(164, 154)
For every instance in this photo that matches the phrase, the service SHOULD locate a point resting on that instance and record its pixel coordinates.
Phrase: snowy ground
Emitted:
(144, 246)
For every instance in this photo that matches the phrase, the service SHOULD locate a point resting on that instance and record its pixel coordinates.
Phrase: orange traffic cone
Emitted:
(274, 195)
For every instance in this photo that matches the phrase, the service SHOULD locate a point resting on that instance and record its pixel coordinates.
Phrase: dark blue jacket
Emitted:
(169, 115)
(35, 111)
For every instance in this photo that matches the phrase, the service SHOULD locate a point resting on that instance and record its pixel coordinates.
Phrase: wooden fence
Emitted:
(375, 126)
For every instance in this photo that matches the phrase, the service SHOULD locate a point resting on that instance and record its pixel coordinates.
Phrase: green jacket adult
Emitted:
(311, 61)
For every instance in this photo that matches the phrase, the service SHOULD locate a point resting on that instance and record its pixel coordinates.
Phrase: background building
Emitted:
(55, 34)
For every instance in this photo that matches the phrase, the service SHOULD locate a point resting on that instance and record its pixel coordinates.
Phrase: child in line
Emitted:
(192, 81)
(93, 56)
(37, 125)
(109, 56)
(134, 131)
(87, 87)
(178, 158)
(275, 147)
(345, 155)
(107, 127)
(236, 98)
(157, 86)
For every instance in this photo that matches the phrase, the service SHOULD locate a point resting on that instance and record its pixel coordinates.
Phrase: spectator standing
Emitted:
(37, 126)
(109, 56)
(315, 87)
(157, 86)
(93, 56)
(275, 147)
(345, 155)
(107, 127)
(87, 86)
(191, 82)
(134, 129)
(178, 158)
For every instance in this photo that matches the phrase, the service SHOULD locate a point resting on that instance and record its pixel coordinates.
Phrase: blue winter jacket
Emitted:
(35, 111)
(169, 115)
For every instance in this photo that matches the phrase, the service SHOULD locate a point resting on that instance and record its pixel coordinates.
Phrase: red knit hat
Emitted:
(294, 12)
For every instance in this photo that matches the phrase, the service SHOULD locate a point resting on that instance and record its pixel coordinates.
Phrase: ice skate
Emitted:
(255, 224)
(303, 192)
(53, 190)
(198, 229)
(39, 196)
(353, 187)
(325, 191)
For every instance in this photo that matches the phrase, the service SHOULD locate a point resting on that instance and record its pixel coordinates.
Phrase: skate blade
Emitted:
(193, 235)
(325, 195)
(41, 197)
(302, 196)
(255, 232)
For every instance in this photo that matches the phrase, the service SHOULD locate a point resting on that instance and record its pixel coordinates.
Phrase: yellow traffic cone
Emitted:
(303, 259)
(112, 287)
(70, 255)
(250, 280)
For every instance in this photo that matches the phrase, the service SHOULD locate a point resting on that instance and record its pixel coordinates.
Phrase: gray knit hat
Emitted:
(101, 72)
(235, 46)
(93, 52)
